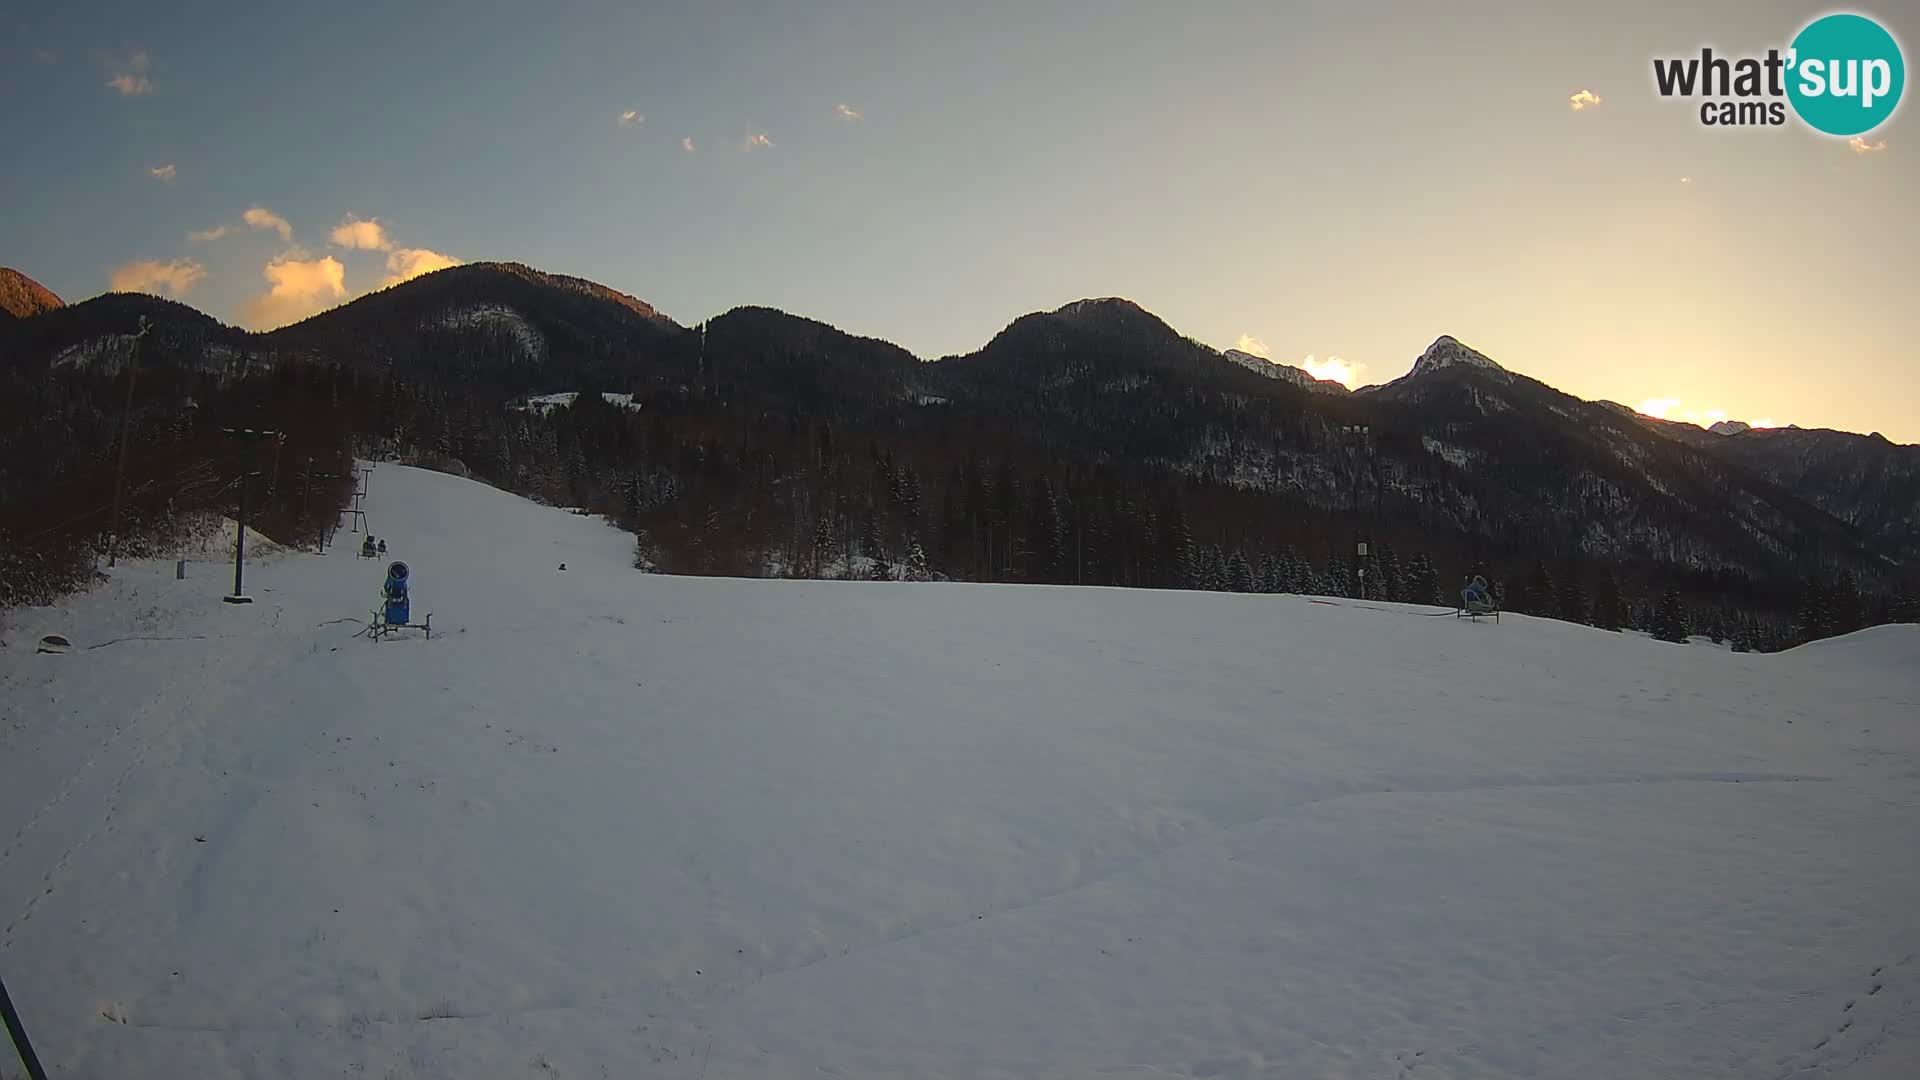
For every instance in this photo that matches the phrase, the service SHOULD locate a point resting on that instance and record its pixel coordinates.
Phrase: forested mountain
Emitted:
(1089, 444)
(21, 296)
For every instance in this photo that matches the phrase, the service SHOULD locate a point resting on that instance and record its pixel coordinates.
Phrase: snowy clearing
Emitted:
(614, 824)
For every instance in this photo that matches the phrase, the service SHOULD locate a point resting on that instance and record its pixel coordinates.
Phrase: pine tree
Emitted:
(1423, 581)
(1573, 600)
(1386, 565)
(1607, 605)
(917, 563)
(1537, 595)
(1906, 605)
(1812, 620)
(1670, 619)
(1239, 574)
(1846, 605)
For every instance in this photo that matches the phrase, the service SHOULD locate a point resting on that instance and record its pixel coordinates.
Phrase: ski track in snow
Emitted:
(607, 823)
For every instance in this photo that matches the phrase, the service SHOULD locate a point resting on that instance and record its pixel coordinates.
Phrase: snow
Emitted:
(542, 404)
(614, 823)
(1447, 352)
(498, 319)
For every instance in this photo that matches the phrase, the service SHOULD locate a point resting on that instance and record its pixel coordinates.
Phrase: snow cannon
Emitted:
(394, 592)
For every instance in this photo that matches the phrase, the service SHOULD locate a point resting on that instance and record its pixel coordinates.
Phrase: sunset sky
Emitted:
(1336, 182)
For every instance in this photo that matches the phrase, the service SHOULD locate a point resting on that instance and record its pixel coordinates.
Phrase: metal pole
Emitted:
(126, 433)
(19, 1033)
(240, 529)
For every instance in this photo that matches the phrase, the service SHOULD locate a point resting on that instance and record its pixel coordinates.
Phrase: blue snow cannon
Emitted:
(399, 607)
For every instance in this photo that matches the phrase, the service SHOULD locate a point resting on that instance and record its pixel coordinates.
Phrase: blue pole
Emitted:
(19, 1032)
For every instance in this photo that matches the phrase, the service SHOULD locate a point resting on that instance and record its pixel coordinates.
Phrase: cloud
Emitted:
(849, 113)
(45, 56)
(130, 78)
(631, 117)
(177, 276)
(1860, 145)
(686, 144)
(262, 218)
(1338, 369)
(755, 140)
(1686, 179)
(208, 236)
(1250, 344)
(409, 263)
(299, 286)
(1669, 408)
(1583, 99)
(368, 235)
(163, 173)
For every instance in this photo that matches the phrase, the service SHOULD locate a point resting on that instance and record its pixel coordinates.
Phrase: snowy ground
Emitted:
(613, 824)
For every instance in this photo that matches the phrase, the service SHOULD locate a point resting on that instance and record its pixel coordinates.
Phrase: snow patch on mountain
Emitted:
(1273, 369)
(1730, 427)
(1446, 352)
(542, 404)
(498, 319)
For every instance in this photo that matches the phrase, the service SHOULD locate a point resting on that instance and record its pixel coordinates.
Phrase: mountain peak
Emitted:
(1730, 427)
(21, 296)
(1445, 352)
(1117, 305)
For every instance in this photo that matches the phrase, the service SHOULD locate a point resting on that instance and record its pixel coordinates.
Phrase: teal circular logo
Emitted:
(1845, 74)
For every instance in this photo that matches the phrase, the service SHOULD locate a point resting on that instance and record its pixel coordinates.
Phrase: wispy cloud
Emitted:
(409, 263)
(368, 235)
(130, 76)
(631, 117)
(298, 286)
(849, 113)
(262, 218)
(1583, 99)
(755, 140)
(208, 236)
(1250, 344)
(163, 173)
(176, 276)
(1860, 145)
(1341, 370)
(686, 143)
(1672, 408)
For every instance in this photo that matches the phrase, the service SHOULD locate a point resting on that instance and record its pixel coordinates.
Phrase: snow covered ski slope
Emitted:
(613, 824)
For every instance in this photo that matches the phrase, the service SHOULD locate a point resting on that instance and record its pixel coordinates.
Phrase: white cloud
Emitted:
(368, 235)
(1686, 179)
(262, 218)
(409, 263)
(686, 143)
(299, 286)
(208, 236)
(631, 117)
(755, 140)
(1583, 99)
(130, 78)
(163, 173)
(849, 113)
(177, 276)
(1250, 344)
(1860, 145)
(1671, 408)
(1339, 369)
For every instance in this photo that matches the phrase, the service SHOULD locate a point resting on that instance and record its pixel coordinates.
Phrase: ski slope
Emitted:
(614, 824)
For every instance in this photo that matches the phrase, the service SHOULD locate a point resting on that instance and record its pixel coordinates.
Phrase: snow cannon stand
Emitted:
(396, 607)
